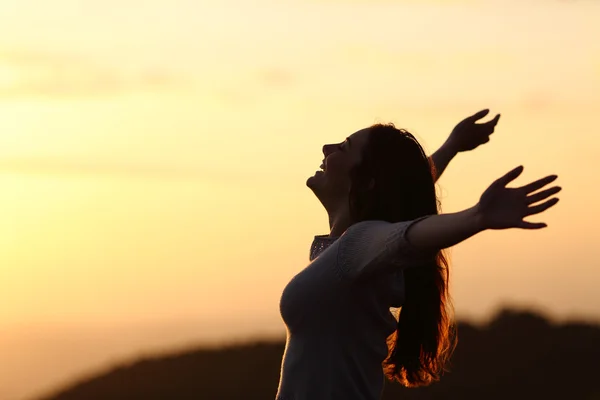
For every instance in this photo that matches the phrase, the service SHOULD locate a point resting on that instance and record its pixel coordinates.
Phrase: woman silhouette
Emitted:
(385, 250)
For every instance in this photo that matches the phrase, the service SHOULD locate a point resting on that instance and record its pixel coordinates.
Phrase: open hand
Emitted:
(501, 207)
(468, 134)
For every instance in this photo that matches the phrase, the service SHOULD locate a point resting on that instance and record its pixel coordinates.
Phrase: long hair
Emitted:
(394, 182)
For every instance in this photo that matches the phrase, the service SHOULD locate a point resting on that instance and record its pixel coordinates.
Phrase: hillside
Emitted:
(518, 355)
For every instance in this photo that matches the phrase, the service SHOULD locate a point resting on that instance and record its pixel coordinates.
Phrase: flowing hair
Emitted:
(394, 182)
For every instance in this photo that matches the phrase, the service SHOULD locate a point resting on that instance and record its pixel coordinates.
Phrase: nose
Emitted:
(328, 149)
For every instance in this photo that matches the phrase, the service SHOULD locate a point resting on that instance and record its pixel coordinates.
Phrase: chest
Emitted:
(316, 293)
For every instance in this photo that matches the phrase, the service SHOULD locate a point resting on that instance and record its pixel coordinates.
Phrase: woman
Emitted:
(385, 250)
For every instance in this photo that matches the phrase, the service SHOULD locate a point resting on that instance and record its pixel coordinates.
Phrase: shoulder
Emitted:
(375, 229)
(364, 226)
(369, 243)
(371, 246)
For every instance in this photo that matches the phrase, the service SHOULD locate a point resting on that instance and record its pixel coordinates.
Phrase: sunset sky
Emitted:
(153, 159)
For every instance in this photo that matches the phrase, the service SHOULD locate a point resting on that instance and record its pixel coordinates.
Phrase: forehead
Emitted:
(359, 138)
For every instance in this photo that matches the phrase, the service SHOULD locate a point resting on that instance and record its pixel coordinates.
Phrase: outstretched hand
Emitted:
(468, 134)
(501, 207)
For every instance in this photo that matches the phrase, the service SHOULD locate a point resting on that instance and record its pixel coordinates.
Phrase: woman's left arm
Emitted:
(499, 207)
(466, 135)
(369, 246)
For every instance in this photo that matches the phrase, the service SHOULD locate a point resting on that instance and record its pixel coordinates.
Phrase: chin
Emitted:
(310, 182)
(315, 181)
(318, 185)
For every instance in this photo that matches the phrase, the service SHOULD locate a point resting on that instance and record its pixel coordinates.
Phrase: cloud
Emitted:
(393, 2)
(26, 73)
(251, 87)
(275, 77)
(427, 61)
(74, 167)
(538, 101)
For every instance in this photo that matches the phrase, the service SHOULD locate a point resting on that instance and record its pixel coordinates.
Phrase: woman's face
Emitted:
(332, 183)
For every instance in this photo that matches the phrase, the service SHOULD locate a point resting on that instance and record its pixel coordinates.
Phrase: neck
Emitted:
(339, 220)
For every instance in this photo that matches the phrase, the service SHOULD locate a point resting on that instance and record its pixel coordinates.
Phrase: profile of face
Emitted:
(332, 183)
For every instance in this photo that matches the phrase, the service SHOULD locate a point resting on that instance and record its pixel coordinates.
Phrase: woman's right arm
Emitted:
(499, 208)
(466, 135)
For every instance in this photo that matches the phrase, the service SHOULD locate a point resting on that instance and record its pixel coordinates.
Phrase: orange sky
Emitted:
(153, 156)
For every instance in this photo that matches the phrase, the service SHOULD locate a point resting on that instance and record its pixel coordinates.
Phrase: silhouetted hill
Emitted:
(519, 355)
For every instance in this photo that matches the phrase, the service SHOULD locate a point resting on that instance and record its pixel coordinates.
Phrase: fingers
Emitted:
(509, 177)
(488, 128)
(534, 198)
(542, 207)
(540, 183)
(478, 115)
(531, 225)
(492, 123)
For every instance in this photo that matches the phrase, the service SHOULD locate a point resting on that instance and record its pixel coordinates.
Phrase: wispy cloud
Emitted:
(35, 73)
(387, 2)
(275, 77)
(246, 88)
(427, 60)
(63, 167)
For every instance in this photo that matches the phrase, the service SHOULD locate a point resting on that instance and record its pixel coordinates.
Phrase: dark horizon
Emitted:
(519, 353)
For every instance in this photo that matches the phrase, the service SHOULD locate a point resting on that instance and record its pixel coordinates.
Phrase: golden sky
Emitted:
(153, 155)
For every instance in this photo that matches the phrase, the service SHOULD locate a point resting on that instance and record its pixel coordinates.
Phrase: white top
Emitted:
(337, 313)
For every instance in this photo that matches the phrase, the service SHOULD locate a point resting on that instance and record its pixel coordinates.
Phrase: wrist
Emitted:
(450, 148)
(478, 219)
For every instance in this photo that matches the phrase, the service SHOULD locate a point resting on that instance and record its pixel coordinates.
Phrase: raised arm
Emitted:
(499, 208)
(466, 135)
(441, 158)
